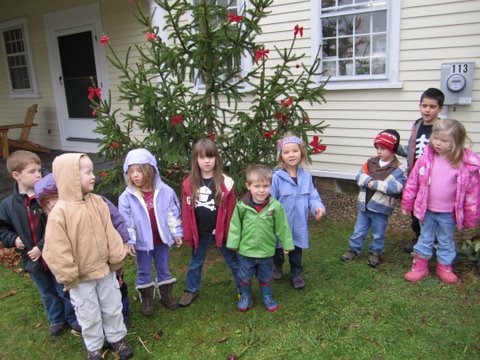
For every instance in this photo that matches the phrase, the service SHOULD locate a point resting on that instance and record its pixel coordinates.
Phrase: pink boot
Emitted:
(419, 269)
(446, 274)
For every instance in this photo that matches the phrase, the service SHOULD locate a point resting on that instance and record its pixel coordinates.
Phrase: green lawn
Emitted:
(347, 311)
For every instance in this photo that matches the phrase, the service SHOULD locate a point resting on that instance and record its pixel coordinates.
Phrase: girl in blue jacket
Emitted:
(293, 186)
(151, 211)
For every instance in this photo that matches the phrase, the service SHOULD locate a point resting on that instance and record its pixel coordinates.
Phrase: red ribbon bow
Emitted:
(269, 134)
(176, 119)
(234, 18)
(104, 40)
(212, 136)
(150, 36)
(317, 147)
(286, 103)
(114, 145)
(259, 54)
(92, 92)
(298, 29)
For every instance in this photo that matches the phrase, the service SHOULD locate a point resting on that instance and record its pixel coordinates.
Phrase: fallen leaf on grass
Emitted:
(38, 325)
(222, 340)
(8, 294)
(158, 335)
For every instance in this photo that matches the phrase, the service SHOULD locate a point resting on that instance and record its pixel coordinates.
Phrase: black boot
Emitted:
(146, 298)
(166, 297)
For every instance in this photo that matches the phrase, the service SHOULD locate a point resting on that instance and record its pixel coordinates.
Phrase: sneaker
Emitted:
(349, 255)
(298, 282)
(373, 259)
(122, 348)
(187, 298)
(56, 329)
(95, 355)
(76, 329)
(277, 273)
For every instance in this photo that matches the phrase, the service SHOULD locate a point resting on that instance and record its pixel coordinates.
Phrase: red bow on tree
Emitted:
(212, 136)
(317, 147)
(92, 92)
(102, 174)
(151, 36)
(259, 54)
(104, 40)
(114, 145)
(234, 18)
(286, 103)
(176, 119)
(269, 134)
(297, 30)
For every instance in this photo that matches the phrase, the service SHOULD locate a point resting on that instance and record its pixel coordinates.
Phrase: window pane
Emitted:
(328, 3)
(330, 68)
(380, 21)
(378, 65)
(362, 46)
(345, 25)
(344, 2)
(379, 44)
(19, 78)
(329, 48)
(329, 28)
(346, 67)
(362, 66)
(345, 47)
(363, 24)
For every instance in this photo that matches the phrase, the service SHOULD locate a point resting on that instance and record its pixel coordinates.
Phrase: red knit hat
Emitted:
(388, 138)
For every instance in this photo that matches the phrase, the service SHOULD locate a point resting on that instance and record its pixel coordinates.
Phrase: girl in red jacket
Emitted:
(208, 201)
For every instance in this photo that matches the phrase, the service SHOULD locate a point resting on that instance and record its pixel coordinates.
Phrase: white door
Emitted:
(76, 64)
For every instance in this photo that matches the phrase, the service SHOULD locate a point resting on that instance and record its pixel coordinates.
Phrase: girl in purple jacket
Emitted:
(151, 211)
(442, 190)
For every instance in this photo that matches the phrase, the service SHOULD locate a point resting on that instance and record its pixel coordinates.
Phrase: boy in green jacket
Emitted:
(257, 222)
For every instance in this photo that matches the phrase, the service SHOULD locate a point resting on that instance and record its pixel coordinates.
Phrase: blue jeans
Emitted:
(441, 225)
(194, 273)
(365, 220)
(56, 301)
(261, 267)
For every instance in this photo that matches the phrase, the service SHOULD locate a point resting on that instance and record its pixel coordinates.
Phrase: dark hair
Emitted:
(435, 94)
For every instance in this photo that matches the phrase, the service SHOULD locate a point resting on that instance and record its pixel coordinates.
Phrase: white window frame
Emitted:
(391, 77)
(21, 23)
(246, 60)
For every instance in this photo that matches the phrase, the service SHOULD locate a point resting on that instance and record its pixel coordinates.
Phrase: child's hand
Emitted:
(19, 243)
(370, 184)
(405, 212)
(178, 242)
(35, 253)
(319, 213)
(285, 252)
(130, 249)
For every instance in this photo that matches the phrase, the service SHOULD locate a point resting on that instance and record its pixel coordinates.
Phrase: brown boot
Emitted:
(166, 297)
(146, 298)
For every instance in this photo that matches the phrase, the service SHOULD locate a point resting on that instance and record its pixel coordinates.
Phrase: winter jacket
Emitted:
(224, 214)
(416, 190)
(81, 243)
(409, 150)
(254, 234)
(297, 199)
(382, 200)
(15, 211)
(134, 210)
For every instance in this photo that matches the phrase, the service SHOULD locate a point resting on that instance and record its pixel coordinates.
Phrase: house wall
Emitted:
(432, 32)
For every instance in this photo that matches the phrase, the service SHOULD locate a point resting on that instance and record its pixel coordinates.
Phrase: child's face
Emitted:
(27, 178)
(135, 175)
(430, 110)
(442, 142)
(291, 154)
(383, 153)
(206, 165)
(49, 201)
(260, 190)
(87, 177)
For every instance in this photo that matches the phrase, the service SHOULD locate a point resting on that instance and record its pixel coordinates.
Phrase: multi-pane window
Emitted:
(354, 37)
(18, 62)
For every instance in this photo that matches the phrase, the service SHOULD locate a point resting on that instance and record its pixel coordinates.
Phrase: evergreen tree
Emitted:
(191, 86)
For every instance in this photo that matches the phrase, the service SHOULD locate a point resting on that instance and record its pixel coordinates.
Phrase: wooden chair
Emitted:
(22, 142)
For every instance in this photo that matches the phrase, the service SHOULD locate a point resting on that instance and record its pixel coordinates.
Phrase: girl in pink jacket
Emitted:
(442, 190)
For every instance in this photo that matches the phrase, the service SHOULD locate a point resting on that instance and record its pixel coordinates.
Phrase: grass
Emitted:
(347, 311)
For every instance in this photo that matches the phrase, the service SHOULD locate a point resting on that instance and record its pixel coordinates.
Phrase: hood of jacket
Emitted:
(66, 171)
(45, 186)
(142, 156)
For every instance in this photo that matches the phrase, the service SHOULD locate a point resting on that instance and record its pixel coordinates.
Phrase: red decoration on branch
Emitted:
(114, 145)
(259, 54)
(298, 30)
(92, 92)
(176, 119)
(269, 134)
(104, 40)
(233, 18)
(102, 173)
(151, 36)
(212, 136)
(286, 103)
(317, 146)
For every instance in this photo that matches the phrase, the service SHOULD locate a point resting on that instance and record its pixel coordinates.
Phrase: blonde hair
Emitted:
(20, 159)
(148, 173)
(303, 151)
(459, 136)
(258, 172)
(206, 147)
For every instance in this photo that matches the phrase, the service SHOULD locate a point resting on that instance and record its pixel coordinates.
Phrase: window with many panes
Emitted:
(17, 58)
(358, 39)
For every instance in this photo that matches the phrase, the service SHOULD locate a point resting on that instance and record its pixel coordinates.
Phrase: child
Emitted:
(152, 213)
(22, 225)
(380, 179)
(431, 104)
(208, 201)
(441, 190)
(46, 193)
(257, 222)
(83, 250)
(293, 186)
